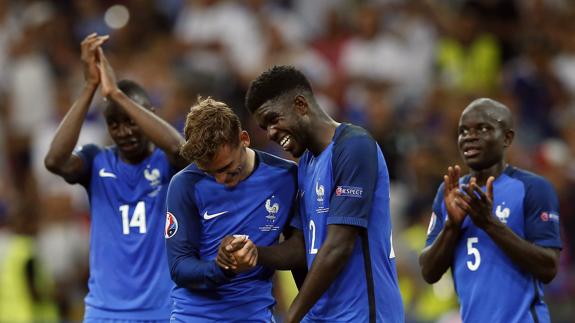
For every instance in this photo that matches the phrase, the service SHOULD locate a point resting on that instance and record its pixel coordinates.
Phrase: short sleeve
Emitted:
(541, 207)
(437, 219)
(87, 153)
(355, 173)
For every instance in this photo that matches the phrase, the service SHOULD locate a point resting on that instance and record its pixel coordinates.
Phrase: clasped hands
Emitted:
(237, 253)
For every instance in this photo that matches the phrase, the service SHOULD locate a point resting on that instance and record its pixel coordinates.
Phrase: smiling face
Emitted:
(484, 134)
(132, 145)
(283, 121)
(230, 164)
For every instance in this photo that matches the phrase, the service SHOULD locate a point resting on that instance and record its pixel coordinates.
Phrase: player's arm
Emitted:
(287, 255)
(443, 235)
(330, 260)
(542, 261)
(60, 160)
(237, 252)
(183, 235)
(160, 132)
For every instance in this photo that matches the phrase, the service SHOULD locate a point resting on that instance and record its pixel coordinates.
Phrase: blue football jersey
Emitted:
(348, 184)
(129, 277)
(490, 287)
(201, 213)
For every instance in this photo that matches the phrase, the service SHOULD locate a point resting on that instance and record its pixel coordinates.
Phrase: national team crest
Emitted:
(153, 176)
(272, 209)
(171, 225)
(319, 191)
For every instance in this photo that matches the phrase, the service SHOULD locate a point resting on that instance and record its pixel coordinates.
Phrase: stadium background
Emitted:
(403, 69)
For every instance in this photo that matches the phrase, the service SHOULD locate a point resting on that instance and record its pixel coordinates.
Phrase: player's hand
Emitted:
(246, 257)
(453, 197)
(89, 57)
(225, 259)
(479, 203)
(107, 75)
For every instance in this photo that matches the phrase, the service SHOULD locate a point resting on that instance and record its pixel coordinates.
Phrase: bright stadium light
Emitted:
(117, 16)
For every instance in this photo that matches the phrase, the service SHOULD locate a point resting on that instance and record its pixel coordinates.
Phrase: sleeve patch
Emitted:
(549, 216)
(171, 225)
(349, 191)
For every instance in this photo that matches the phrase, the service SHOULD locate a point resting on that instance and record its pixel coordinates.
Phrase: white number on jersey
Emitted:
(138, 219)
(313, 249)
(471, 250)
(392, 253)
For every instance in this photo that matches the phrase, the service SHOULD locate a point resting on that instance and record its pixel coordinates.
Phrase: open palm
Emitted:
(451, 195)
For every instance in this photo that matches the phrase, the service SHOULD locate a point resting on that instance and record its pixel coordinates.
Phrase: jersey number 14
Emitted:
(137, 220)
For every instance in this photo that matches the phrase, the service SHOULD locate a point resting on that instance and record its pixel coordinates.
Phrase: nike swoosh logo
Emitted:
(211, 216)
(104, 173)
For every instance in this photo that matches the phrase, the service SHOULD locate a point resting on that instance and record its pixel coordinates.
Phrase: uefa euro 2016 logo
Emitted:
(171, 225)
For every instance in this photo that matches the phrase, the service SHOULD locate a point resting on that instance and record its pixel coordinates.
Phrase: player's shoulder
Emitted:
(188, 176)
(350, 132)
(352, 140)
(529, 179)
(275, 161)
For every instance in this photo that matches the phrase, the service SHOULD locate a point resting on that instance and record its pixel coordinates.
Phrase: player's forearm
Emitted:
(68, 131)
(288, 255)
(196, 274)
(436, 259)
(331, 258)
(541, 262)
(160, 132)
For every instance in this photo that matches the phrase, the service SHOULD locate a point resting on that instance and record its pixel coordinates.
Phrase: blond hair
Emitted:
(210, 124)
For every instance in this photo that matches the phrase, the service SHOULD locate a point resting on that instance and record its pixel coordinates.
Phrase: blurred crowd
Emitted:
(403, 69)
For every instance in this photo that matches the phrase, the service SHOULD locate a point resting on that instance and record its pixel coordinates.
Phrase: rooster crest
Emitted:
(152, 176)
(319, 191)
(272, 209)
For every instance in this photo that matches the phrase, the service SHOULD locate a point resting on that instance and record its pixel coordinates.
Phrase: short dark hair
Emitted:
(135, 92)
(273, 83)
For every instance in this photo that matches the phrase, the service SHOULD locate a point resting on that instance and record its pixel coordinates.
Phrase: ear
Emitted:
(244, 139)
(301, 105)
(509, 135)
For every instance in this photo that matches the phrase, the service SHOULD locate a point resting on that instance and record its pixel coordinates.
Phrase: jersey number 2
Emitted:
(471, 250)
(138, 219)
(313, 249)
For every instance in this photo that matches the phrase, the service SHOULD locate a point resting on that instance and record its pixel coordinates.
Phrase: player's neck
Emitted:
(140, 157)
(483, 174)
(250, 163)
(322, 133)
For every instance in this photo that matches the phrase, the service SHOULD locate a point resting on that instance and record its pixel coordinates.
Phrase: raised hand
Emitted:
(89, 56)
(107, 75)
(453, 197)
(479, 204)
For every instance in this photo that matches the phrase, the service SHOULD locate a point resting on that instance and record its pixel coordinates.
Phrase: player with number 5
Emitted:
(497, 228)
(126, 184)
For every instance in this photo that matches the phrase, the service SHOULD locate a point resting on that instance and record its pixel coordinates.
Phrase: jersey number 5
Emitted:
(138, 219)
(471, 250)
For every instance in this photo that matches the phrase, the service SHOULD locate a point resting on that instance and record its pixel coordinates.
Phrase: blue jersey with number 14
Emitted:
(129, 278)
(490, 287)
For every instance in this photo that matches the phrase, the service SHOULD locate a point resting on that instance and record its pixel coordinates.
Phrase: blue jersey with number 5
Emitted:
(490, 287)
(129, 277)
(348, 184)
